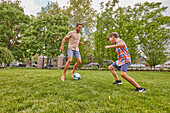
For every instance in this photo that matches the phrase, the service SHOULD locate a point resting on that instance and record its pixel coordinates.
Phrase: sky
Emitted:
(34, 6)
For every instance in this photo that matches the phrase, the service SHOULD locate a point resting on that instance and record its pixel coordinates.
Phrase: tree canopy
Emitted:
(13, 23)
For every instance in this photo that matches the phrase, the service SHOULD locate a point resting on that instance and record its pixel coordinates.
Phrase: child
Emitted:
(123, 61)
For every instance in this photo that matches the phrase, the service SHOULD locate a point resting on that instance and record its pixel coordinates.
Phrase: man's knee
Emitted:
(79, 61)
(69, 61)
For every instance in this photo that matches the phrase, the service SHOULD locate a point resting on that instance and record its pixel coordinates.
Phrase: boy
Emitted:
(123, 61)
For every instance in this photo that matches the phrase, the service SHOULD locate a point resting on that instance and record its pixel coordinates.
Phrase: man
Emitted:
(123, 61)
(74, 41)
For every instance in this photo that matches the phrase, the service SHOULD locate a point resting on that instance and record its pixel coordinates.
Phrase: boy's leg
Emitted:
(66, 67)
(111, 68)
(129, 79)
(124, 69)
(76, 65)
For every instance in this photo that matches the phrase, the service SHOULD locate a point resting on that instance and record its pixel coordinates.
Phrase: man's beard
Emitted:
(77, 30)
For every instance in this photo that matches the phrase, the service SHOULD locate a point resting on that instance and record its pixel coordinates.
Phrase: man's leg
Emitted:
(129, 79)
(66, 67)
(76, 65)
(111, 68)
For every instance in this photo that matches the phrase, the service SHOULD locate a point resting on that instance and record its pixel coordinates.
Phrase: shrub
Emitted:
(142, 69)
(62, 67)
(105, 65)
(6, 56)
(137, 69)
(96, 67)
(70, 67)
(148, 69)
(161, 69)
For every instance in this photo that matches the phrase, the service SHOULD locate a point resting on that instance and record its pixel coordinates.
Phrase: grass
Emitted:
(36, 90)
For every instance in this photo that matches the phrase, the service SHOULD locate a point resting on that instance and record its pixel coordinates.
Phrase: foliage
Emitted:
(38, 90)
(143, 28)
(13, 23)
(45, 34)
(81, 11)
(121, 20)
(6, 56)
(153, 32)
(77, 12)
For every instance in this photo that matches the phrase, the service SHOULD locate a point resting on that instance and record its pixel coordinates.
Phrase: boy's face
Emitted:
(112, 39)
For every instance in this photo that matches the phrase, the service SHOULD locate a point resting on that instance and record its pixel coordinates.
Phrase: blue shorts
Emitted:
(123, 67)
(76, 53)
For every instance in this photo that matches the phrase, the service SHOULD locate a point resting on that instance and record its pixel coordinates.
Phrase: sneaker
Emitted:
(118, 82)
(141, 90)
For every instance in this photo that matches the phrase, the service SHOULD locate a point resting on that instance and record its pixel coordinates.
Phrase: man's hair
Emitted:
(115, 34)
(78, 24)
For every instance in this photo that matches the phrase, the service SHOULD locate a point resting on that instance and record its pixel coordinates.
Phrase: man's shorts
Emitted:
(76, 53)
(123, 67)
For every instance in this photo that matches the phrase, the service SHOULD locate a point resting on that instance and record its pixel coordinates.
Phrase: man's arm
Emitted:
(62, 45)
(114, 46)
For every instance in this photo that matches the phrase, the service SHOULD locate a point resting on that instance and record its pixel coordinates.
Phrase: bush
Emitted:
(142, 69)
(70, 67)
(89, 67)
(161, 69)
(105, 65)
(96, 67)
(62, 67)
(6, 56)
(148, 69)
(137, 69)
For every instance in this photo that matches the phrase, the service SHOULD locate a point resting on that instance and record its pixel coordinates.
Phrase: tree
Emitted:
(112, 19)
(13, 23)
(153, 32)
(79, 11)
(45, 34)
(143, 28)
(6, 56)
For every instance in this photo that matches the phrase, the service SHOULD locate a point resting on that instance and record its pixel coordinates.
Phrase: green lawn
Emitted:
(36, 90)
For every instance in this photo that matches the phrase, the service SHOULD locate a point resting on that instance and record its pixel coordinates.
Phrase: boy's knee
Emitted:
(110, 67)
(123, 74)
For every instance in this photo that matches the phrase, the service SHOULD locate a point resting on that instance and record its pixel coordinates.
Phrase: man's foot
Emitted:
(141, 90)
(62, 78)
(72, 72)
(118, 82)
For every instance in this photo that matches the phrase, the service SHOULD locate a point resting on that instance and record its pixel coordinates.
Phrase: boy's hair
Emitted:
(115, 34)
(78, 24)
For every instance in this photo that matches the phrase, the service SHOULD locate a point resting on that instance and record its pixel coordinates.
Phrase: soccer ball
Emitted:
(76, 76)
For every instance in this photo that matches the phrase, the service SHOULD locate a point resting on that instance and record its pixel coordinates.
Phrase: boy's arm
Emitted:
(80, 42)
(115, 46)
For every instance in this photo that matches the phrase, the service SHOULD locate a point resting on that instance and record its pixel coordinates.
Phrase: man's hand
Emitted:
(80, 42)
(61, 48)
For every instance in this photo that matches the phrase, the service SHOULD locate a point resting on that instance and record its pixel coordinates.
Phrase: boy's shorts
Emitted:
(76, 53)
(123, 67)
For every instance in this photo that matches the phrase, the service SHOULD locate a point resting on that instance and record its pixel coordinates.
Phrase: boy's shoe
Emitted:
(141, 90)
(118, 82)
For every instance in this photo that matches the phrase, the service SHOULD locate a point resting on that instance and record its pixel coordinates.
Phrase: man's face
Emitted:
(112, 39)
(78, 28)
